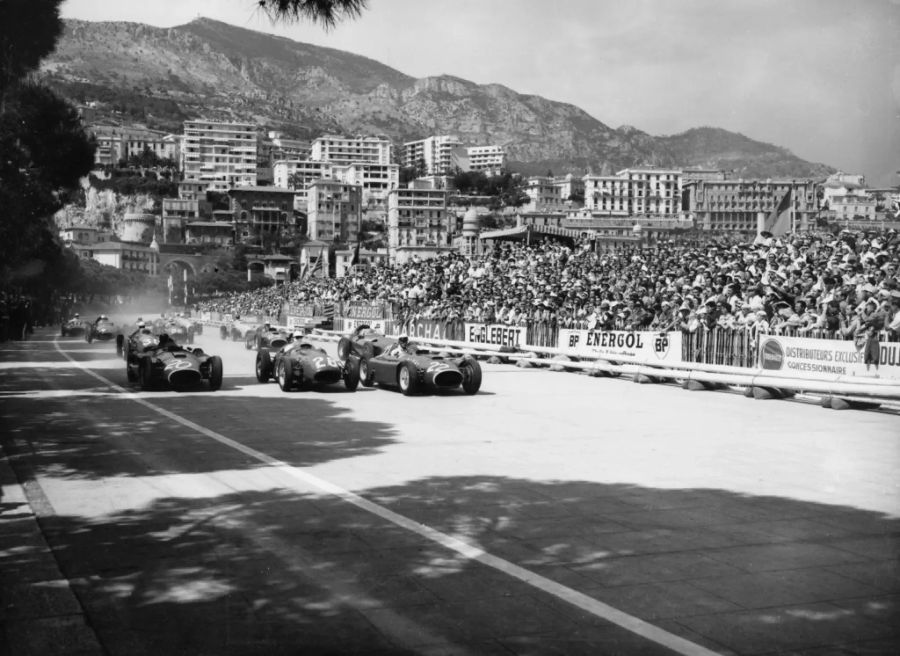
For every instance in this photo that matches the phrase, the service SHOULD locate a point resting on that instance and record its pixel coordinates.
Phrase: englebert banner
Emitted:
(495, 334)
(643, 345)
(825, 359)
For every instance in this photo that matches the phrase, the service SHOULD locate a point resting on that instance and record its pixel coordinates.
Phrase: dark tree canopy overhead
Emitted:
(28, 33)
(328, 13)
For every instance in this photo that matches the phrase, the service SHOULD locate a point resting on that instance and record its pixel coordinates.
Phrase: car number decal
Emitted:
(178, 364)
(321, 363)
(437, 366)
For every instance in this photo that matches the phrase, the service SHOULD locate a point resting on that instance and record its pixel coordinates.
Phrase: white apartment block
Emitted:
(352, 150)
(431, 156)
(645, 192)
(376, 179)
(418, 218)
(490, 159)
(116, 143)
(220, 155)
(333, 211)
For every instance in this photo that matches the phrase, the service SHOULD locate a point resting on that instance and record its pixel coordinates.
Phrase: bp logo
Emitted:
(772, 355)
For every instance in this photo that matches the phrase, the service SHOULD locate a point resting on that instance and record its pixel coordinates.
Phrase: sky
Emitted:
(818, 77)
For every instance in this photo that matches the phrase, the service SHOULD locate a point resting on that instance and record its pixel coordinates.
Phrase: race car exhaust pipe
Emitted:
(184, 378)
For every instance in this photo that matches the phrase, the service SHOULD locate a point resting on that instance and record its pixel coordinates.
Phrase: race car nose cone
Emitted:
(184, 378)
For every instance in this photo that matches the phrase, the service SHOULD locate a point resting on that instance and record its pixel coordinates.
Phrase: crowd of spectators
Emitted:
(843, 286)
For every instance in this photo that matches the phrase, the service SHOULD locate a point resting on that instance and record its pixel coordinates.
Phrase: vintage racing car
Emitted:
(306, 366)
(102, 330)
(236, 330)
(363, 341)
(74, 327)
(180, 331)
(175, 366)
(415, 372)
(270, 343)
(263, 336)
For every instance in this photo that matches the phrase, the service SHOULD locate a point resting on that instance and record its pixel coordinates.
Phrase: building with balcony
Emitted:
(749, 207)
(376, 179)
(126, 256)
(333, 211)
(419, 223)
(352, 150)
(489, 159)
(219, 155)
(430, 156)
(846, 198)
(177, 213)
(262, 215)
(275, 146)
(117, 143)
(630, 192)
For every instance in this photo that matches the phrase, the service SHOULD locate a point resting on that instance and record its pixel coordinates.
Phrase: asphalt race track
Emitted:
(552, 513)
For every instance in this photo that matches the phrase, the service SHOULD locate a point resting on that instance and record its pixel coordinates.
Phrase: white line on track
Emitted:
(582, 601)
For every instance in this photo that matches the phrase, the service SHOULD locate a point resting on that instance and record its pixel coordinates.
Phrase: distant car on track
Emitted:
(363, 341)
(74, 327)
(237, 330)
(102, 330)
(306, 366)
(414, 372)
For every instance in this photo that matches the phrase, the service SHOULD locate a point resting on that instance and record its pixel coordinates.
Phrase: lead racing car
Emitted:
(302, 366)
(172, 365)
(74, 327)
(403, 366)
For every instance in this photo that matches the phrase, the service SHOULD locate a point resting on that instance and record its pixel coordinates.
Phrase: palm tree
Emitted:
(328, 13)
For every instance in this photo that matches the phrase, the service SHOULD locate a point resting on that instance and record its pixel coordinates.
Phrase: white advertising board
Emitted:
(609, 344)
(495, 334)
(826, 359)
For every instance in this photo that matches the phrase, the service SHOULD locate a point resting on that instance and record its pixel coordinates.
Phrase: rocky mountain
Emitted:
(161, 76)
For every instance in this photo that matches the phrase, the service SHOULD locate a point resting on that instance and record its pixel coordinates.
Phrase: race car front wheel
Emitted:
(283, 376)
(408, 379)
(215, 372)
(366, 375)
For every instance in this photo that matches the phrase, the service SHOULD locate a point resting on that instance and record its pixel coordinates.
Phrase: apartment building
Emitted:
(177, 213)
(275, 146)
(419, 223)
(630, 192)
(219, 155)
(261, 213)
(376, 179)
(489, 159)
(753, 206)
(333, 211)
(546, 194)
(430, 156)
(117, 143)
(352, 150)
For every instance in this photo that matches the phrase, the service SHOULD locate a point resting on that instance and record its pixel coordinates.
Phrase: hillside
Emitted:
(161, 76)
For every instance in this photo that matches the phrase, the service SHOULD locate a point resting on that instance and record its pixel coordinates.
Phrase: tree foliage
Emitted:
(327, 13)
(45, 150)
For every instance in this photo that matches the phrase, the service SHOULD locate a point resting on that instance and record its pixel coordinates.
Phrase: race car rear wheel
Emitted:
(366, 375)
(145, 374)
(471, 372)
(408, 378)
(343, 349)
(351, 374)
(120, 343)
(215, 372)
(263, 366)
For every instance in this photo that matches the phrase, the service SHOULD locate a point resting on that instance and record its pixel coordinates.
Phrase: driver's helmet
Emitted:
(141, 324)
(404, 340)
(77, 315)
(267, 325)
(297, 334)
(104, 317)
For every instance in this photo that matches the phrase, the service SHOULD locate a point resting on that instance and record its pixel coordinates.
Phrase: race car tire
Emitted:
(250, 342)
(408, 378)
(223, 332)
(263, 366)
(284, 377)
(62, 331)
(120, 345)
(351, 375)
(471, 372)
(215, 373)
(145, 374)
(88, 337)
(343, 349)
(366, 375)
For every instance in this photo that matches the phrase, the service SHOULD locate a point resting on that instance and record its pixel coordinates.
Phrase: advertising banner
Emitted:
(301, 309)
(825, 359)
(609, 344)
(495, 334)
(427, 330)
(379, 325)
(364, 311)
